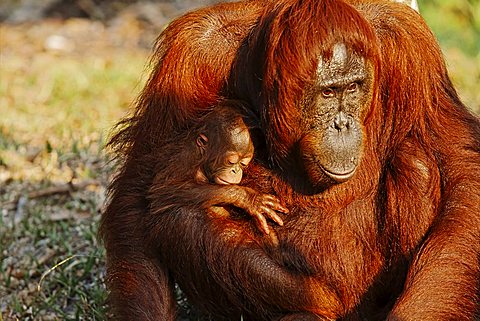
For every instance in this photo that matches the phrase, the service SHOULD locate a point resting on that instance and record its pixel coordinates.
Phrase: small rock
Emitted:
(59, 43)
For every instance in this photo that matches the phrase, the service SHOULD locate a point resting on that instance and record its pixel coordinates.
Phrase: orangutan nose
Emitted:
(341, 121)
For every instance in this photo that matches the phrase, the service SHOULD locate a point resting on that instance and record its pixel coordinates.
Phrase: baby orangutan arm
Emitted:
(257, 205)
(166, 196)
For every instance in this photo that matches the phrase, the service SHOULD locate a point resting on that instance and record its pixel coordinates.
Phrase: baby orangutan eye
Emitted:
(232, 158)
(245, 161)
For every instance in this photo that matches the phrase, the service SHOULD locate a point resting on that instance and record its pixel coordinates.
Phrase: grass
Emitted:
(56, 108)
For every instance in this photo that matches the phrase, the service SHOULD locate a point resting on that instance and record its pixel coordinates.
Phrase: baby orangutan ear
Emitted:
(202, 140)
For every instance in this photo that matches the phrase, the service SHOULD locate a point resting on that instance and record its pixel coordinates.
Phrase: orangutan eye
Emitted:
(232, 158)
(328, 92)
(352, 87)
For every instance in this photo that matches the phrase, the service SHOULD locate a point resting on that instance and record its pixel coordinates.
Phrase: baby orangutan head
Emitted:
(226, 148)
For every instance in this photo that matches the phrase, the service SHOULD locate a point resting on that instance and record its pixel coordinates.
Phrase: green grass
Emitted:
(56, 109)
(72, 291)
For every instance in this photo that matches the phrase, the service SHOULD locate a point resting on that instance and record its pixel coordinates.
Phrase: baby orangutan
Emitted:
(203, 168)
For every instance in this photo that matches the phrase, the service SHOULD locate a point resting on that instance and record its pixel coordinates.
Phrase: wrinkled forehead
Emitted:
(341, 62)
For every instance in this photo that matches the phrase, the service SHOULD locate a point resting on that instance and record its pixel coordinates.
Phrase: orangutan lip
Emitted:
(340, 177)
(221, 181)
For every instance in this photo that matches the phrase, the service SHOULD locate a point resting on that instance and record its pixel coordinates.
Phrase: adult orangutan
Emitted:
(364, 139)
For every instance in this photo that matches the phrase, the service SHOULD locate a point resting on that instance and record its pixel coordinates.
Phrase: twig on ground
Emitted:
(19, 202)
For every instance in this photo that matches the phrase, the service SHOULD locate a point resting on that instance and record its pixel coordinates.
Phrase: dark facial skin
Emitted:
(222, 170)
(332, 146)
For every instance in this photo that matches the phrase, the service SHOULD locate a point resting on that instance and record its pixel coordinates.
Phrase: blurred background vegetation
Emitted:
(456, 23)
(69, 69)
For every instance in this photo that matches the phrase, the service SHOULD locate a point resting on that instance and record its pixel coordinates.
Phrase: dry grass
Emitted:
(56, 107)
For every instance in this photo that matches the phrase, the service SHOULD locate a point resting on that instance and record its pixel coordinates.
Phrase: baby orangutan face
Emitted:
(227, 157)
(235, 159)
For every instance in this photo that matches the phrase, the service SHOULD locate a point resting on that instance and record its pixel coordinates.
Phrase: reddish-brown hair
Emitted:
(400, 240)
